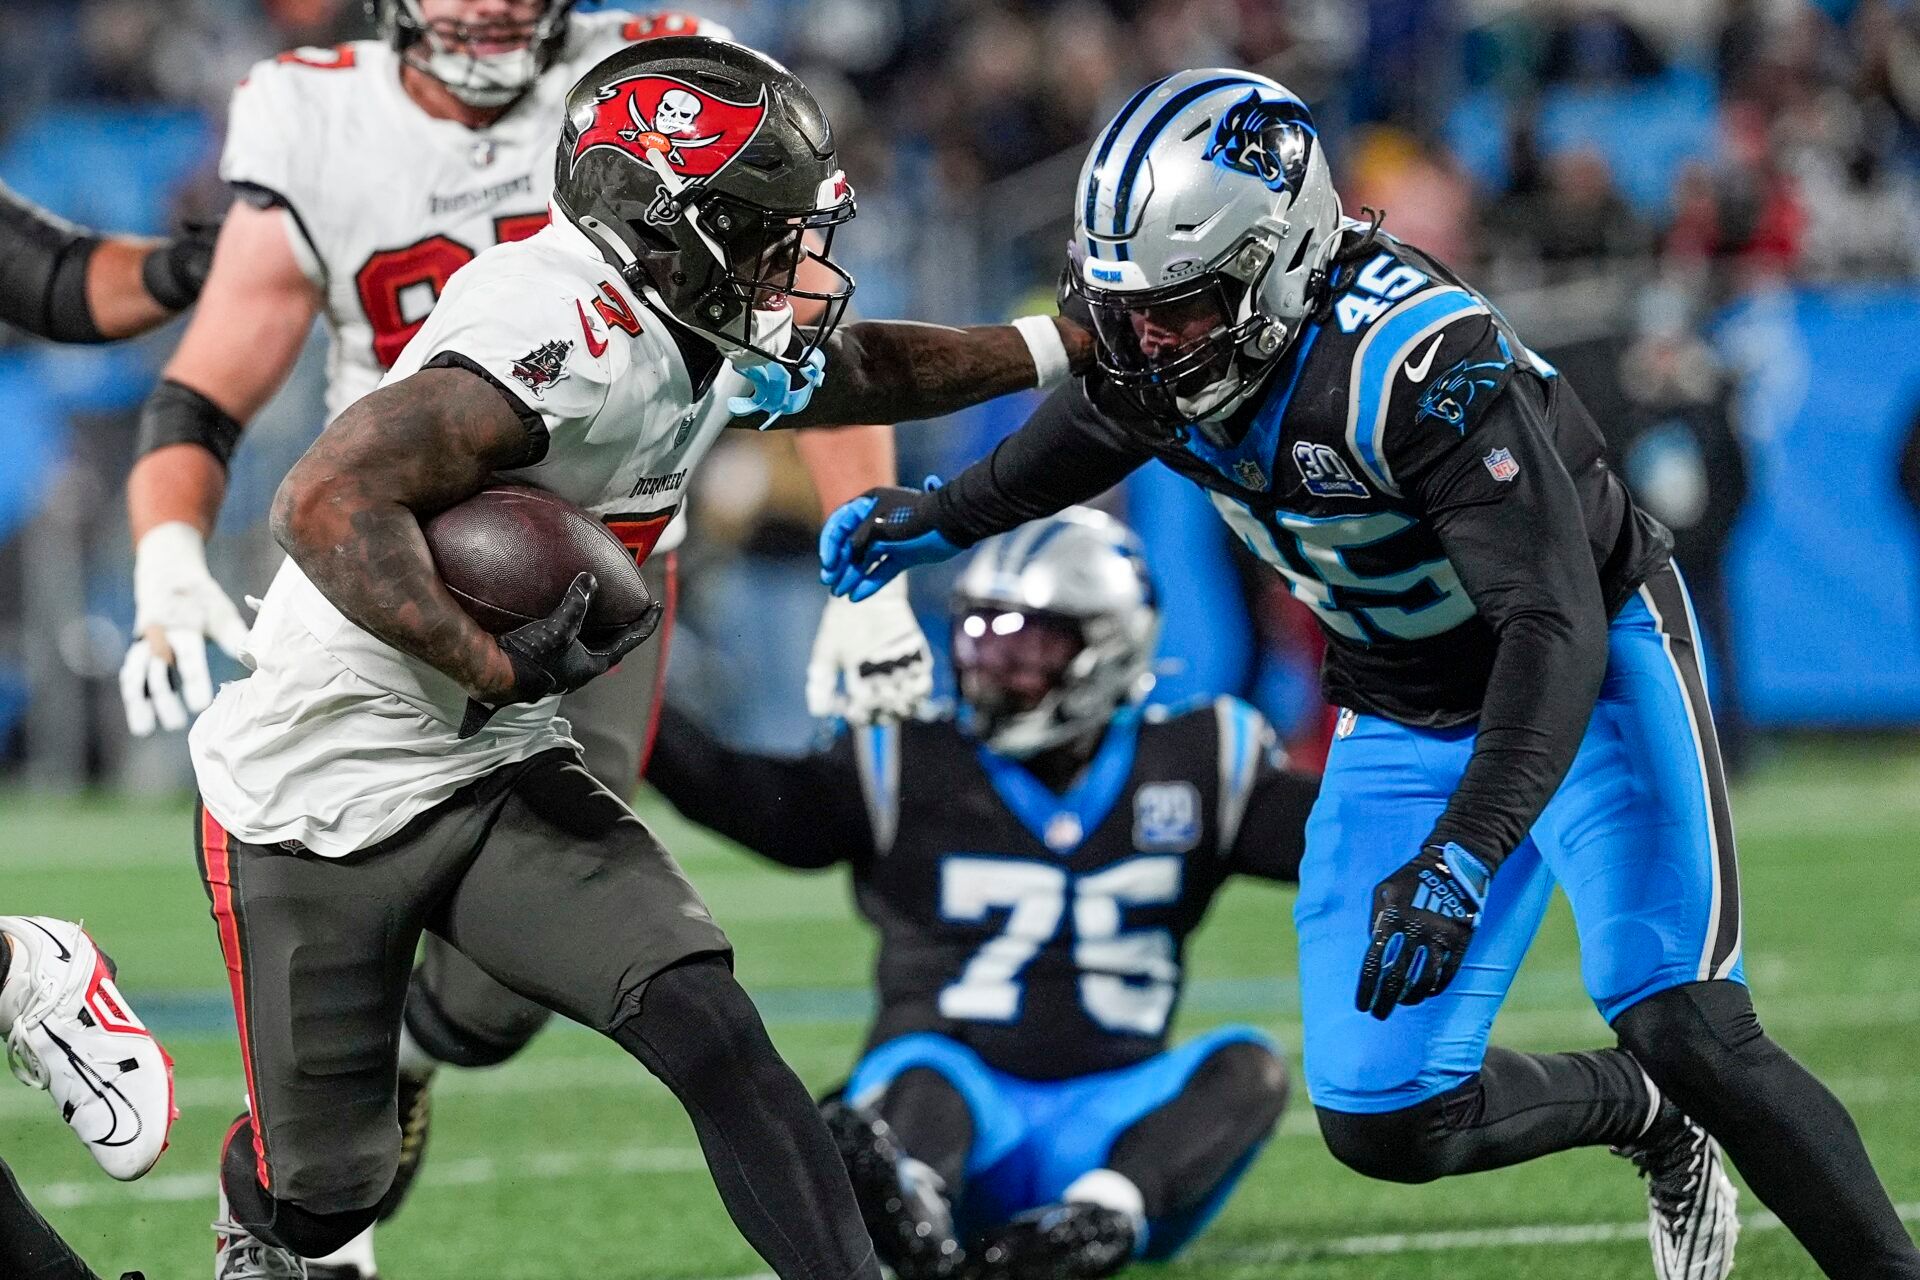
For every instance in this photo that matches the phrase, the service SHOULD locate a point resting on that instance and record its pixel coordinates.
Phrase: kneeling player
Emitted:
(1034, 868)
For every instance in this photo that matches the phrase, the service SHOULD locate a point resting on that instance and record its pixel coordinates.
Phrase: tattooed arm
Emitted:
(349, 513)
(895, 370)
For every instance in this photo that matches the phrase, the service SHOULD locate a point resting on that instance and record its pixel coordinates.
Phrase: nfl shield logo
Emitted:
(1501, 466)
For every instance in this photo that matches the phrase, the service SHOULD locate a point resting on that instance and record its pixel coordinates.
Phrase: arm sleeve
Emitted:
(1507, 515)
(1067, 452)
(803, 811)
(43, 272)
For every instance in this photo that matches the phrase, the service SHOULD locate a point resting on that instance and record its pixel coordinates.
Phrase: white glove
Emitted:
(875, 648)
(176, 606)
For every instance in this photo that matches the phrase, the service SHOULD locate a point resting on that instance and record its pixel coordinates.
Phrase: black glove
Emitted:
(548, 657)
(175, 272)
(1424, 916)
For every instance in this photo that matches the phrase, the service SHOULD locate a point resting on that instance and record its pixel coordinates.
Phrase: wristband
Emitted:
(1049, 353)
(177, 414)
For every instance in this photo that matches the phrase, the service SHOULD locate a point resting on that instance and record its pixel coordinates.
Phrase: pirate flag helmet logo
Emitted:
(705, 173)
(696, 132)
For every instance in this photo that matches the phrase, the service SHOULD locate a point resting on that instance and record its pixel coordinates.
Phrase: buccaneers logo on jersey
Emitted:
(697, 133)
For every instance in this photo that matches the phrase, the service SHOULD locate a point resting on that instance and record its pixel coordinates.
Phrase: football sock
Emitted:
(1787, 1134)
(1180, 1153)
(932, 1122)
(30, 1249)
(1518, 1107)
(768, 1151)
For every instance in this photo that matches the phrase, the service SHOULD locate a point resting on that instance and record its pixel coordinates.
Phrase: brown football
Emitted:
(509, 553)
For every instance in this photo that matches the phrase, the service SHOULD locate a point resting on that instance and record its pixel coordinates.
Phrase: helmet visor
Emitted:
(1008, 660)
(1180, 338)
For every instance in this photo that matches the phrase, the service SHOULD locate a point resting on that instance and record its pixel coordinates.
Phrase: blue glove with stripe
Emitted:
(878, 536)
(1424, 916)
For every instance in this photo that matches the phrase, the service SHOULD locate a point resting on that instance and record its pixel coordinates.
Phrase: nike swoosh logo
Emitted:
(596, 347)
(51, 937)
(1415, 372)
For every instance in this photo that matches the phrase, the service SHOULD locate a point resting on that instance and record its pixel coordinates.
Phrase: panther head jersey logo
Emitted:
(697, 133)
(1254, 138)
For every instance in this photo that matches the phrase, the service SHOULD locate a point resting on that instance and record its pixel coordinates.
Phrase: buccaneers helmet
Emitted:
(705, 174)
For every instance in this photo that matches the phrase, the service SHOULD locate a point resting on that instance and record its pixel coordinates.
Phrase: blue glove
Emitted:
(773, 391)
(1424, 916)
(878, 536)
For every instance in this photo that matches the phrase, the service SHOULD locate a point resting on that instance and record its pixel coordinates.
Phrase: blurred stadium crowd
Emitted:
(1707, 213)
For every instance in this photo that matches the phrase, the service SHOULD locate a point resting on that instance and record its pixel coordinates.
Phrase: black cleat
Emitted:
(901, 1200)
(1691, 1220)
(328, 1271)
(1073, 1241)
(416, 1123)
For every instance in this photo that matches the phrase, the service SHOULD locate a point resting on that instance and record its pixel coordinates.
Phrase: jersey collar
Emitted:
(1063, 822)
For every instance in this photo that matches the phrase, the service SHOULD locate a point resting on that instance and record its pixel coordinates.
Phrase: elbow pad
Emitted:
(177, 414)
(43, 272)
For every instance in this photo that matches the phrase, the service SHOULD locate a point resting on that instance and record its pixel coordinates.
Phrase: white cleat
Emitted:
(238, 1255)
(1692, 1215)
(70, 1031)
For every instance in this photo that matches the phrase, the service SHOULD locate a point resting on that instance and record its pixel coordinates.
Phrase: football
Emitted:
(509, 553)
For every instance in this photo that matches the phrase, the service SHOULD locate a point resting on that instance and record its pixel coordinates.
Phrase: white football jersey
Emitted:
(385, 202)
(338, 739)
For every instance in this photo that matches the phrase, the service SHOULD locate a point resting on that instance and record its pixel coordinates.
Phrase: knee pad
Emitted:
(464, 1018)
(1678, 1034)
(694, 1026)
(276, 1221)
(1428, 1140)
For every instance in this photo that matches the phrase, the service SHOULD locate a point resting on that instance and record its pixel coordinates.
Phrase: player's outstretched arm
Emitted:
(1067, 452)
(898, 370)
(346, 514)
(60, 282)
(242, 342)
(804, 812)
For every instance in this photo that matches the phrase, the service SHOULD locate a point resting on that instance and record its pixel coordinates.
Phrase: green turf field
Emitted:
(570, 1164)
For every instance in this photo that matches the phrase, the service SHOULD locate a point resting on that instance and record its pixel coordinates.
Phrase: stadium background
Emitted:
(1706, 213)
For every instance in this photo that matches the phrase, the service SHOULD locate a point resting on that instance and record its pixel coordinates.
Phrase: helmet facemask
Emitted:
(1025, 678)
(484, 64)
(1189, 350)
(735, 277)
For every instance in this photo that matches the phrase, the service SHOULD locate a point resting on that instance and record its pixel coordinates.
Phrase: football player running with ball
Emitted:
(366, 176)
(1513, 650)
(1034, 867)
(390, 767)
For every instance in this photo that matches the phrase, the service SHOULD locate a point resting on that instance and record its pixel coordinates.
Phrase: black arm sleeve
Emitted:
(1520, 547)
(800, 811)
(1273, 830)
(43, 272)
(1067, 452)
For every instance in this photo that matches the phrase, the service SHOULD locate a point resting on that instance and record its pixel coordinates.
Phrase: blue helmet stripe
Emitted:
(1048, 532)
(1106, 143)
(1161, 119)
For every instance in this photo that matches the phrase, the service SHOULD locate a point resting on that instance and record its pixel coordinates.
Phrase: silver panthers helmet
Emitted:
(1204, 220)
(1054, 627)
(446, 49)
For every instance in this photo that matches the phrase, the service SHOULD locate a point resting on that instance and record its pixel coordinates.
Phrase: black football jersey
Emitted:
(1046, 931)
(1431, 489)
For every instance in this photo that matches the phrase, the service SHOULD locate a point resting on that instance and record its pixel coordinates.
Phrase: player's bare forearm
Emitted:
(116, 294)
(349, 514)
(896, 370)
(180, 482)
(846, 462)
